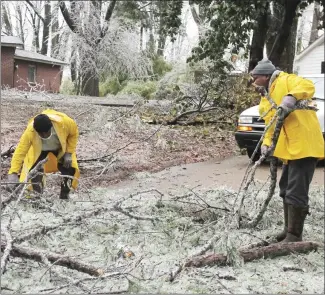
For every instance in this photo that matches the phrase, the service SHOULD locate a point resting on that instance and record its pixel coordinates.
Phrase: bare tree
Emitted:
(102, 46)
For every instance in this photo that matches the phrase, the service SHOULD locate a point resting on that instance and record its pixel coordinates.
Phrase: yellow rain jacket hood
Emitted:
(30, 146)
(301, 134)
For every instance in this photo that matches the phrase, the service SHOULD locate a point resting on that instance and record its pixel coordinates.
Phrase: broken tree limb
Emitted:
(66, 221)
(75, 282)
(118, 208)
(200, 252)
(30, 175)
(62, 260)
(8, 152)
(65, 277)
(271, 251)
(7, 228)
(259, 216)
(6, 252)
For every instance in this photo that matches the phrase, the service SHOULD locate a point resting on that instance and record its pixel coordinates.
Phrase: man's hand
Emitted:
(287, 105)
(265, 150)
(67, 160)
(14, 180)
(261, 90)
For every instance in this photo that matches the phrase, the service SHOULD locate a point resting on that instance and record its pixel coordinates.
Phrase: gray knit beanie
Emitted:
(264, 67)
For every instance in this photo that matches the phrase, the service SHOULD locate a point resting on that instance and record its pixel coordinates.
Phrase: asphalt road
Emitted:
(206, 175)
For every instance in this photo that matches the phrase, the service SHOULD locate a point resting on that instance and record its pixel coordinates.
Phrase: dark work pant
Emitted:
(295, 181)
(64, 171)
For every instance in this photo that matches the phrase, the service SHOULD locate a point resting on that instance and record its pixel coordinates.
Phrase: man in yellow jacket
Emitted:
(50, 134)
(300, 142)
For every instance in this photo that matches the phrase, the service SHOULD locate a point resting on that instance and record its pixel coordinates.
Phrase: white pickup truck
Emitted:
(250, 129)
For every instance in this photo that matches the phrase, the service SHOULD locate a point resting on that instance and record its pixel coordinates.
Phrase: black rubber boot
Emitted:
(65, 190)
(281, 236)
(296, 220)
(37, 184)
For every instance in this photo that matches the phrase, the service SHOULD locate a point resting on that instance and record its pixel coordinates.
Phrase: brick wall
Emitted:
(47, 76)
(7, 66)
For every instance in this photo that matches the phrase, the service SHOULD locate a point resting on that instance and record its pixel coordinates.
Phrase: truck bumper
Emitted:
(247, 140)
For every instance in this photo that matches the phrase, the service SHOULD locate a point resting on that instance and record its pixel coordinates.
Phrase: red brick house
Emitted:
(26, 70)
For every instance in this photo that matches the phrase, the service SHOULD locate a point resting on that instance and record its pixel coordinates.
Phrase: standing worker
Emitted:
(50, 134)
(300, 144)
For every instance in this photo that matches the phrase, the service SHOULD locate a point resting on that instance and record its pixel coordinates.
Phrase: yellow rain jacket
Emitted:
(301, 134)
(30, 146)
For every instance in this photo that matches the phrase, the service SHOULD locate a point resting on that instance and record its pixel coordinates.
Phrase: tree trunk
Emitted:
(20, 24)
(46, 27)
(315, 24)
(287, 58)
(198, 19)
(258, 41)
(283, 34)
(55, 31)
(6, 19)
(299, 37)
(141, 38)
(275, 22)
(90, 84)
(37, 28)
(161, 45)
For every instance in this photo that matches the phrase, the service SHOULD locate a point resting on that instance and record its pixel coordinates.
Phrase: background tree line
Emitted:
(126, 40)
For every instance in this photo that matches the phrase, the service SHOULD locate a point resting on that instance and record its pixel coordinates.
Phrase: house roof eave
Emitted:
(41, 61)
(10, 45)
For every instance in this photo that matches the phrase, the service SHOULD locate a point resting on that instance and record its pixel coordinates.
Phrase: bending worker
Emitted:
(50, 134)
(300, 143)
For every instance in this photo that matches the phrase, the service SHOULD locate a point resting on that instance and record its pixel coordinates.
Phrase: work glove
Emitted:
(261, 90)
(287, 105)
(67, 160)
(14, 179)
(265, 150)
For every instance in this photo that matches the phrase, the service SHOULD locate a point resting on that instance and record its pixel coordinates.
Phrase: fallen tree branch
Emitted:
(207, 204)
(65, 277)
(201, 251)
(7, 250)
(9, 245)
(118, 208)
(8, 152)
(66, 261)
(30, 175)
(109, 275)
(45, 229)
(271, 251)
(259, 216)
